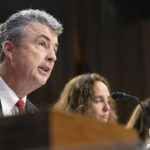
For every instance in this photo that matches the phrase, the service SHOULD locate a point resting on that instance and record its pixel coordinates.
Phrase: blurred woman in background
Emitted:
(89, 95)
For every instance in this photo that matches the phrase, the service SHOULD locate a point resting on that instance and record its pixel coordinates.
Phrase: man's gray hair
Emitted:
(13, 28)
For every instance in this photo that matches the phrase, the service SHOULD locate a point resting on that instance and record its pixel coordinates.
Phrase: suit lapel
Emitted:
(30, 107)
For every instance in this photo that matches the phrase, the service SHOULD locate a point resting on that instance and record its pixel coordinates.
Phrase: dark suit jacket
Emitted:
(30, 108)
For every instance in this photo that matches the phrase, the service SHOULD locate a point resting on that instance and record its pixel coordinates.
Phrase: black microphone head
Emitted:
(119, 95)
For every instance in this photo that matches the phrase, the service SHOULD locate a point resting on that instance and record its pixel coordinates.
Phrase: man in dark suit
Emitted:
(28, 46)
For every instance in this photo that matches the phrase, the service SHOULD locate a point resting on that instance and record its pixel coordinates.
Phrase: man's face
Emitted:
(100, 106)
(34, 58)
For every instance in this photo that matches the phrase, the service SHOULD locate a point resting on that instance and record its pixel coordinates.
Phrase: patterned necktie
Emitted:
(21, 106)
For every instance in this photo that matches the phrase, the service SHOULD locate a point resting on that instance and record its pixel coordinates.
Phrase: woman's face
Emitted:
(100, 105)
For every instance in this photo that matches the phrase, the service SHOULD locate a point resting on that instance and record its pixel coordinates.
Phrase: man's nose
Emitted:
(51, 55)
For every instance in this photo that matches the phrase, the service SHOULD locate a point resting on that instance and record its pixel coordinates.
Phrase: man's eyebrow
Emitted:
(44, 36)
(47, 38)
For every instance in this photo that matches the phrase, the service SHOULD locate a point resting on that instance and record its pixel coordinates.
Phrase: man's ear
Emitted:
(9, 48)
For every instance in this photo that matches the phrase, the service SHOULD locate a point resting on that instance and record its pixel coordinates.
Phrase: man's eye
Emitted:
(42, 44)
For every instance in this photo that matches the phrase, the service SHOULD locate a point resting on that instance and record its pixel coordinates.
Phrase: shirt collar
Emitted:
(7, 96)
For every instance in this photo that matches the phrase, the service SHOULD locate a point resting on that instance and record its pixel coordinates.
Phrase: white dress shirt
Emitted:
(8, 99)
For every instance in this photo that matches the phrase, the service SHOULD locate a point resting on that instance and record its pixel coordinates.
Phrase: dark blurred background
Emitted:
(110, 37)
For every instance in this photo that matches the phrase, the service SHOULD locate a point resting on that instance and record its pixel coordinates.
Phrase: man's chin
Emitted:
(42, 82)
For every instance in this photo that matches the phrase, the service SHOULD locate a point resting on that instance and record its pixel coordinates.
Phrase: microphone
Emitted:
(121, 95)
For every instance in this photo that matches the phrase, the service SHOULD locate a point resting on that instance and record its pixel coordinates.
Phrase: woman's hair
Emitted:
(136, 119)
(78, 94)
